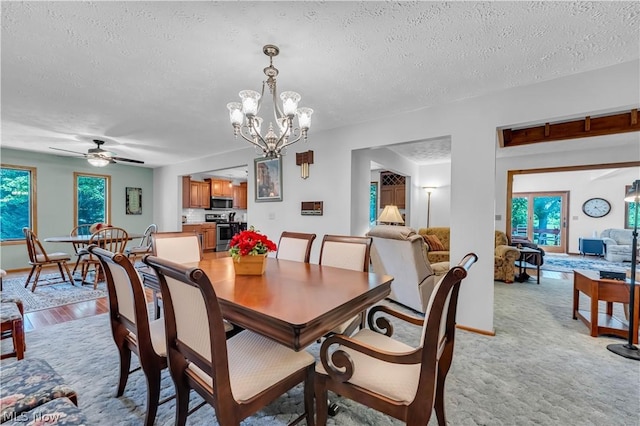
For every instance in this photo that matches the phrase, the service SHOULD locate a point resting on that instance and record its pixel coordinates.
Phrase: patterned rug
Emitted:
(568, 264)
(49, 295)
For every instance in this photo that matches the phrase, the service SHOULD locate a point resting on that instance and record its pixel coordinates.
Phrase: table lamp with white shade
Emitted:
(390, 215)
(629, 350)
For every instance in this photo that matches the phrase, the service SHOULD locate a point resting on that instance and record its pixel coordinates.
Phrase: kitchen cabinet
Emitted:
(392, 190)
(221, 188)
(195, 194)
(240, 196)
(206, 232)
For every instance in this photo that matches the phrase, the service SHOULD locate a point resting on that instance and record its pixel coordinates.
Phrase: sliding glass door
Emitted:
(541, 217)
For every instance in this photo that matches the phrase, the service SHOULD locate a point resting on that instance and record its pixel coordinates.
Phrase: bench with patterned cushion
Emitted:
(30, 383)
(59, 411)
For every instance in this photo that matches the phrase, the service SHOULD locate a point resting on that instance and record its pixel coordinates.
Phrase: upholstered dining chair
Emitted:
(295, 246)
(135, 252)
(236, 376)
(112, 239)
(132, 331)
(387, 375)
(12, 324)
(77, 247)
(38, 258)
(347, 252)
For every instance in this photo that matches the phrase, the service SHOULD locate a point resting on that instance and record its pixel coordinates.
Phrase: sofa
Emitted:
(617, 243)
(505, 256)
(398, 251)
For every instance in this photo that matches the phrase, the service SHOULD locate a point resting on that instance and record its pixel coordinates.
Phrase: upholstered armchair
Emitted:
(618, 244)
(505, 256)
(504, 261)
(398, 251)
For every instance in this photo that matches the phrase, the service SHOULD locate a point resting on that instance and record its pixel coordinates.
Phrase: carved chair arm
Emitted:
(382, 325)
(340, 366)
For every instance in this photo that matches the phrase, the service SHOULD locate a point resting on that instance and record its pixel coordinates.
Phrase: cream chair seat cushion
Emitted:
(53, 256)
(396, 381)
(256, 363)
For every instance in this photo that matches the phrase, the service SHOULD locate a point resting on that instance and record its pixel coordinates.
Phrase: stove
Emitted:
(216, 217)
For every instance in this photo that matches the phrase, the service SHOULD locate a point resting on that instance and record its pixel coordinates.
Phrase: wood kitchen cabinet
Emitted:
(221, 188)
(206, 232)
(195, 194)
(240, 196)
(392, 190)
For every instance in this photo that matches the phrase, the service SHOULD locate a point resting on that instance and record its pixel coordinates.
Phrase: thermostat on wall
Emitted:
(311, 208)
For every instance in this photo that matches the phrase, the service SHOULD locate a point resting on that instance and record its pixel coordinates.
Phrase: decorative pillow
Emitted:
(434, 243)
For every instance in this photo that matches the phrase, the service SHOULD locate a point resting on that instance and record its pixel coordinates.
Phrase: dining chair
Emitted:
(112, 239)
(12, 326)
(236, 376)
(132, 331)
(135, 252)
(347, 252)
(78, 246)
(38, 258)
(385, 374)
(295, 246)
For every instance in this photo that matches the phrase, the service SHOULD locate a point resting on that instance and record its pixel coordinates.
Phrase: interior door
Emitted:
(541, 217)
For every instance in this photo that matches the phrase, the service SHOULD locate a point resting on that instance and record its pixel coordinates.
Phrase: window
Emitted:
(92, 201)
(629, 211)
(373, 203)
(17, 192)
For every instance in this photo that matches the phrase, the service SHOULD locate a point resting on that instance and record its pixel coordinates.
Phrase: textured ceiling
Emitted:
(153, 78)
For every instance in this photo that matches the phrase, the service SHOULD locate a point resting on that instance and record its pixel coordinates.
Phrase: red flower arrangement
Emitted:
(250, 243)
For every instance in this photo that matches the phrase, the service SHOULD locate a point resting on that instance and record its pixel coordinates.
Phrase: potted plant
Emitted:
(249, 252)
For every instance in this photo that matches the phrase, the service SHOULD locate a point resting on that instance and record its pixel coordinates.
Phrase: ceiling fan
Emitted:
(99, 157)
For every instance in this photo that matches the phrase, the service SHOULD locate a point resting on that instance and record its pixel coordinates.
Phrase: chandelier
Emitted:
(246, 123)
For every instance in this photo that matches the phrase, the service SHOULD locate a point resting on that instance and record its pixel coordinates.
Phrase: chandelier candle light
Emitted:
(246, 123)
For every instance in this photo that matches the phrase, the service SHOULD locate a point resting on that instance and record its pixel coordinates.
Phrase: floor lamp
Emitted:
(629, 350)
(429, 190)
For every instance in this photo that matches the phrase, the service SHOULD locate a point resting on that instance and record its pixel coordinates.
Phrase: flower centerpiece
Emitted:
(249, 251)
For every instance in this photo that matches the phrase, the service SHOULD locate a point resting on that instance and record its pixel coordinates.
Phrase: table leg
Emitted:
(576, 299)
(594, 309)
(609, 308)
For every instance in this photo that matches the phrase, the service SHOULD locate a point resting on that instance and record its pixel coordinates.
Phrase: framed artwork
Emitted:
(268, 175)
(134, 200)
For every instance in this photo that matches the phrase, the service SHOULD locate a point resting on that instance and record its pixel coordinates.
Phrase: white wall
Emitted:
(475, 186)
(583, 185)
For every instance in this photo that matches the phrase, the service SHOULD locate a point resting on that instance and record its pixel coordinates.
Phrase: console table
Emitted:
(591, 246)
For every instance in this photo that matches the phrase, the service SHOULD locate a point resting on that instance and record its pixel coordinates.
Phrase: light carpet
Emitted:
(568, 264)
(49, 295)
(541, 368)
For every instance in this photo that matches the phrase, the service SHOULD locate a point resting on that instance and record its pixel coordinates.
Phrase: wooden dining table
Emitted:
(293, 303)
(82, 239)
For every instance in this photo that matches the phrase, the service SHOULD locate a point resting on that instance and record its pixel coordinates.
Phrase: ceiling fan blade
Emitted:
(128, 160)
(66, 150)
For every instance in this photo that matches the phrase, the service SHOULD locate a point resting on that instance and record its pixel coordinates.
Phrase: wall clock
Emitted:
(596, 207)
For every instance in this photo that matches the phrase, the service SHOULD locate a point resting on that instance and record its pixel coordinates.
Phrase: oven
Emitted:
(223, 236)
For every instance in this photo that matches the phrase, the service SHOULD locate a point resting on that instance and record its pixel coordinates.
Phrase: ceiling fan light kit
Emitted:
(246, 122)
(99, 157)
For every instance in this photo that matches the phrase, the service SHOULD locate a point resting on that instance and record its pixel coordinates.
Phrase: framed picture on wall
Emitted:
(268, 175)
(134, 200)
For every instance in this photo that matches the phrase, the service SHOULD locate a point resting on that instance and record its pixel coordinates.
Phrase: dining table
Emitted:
(293, 303)
(82, 239)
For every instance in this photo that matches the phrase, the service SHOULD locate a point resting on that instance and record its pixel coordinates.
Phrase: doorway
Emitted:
(541, 217)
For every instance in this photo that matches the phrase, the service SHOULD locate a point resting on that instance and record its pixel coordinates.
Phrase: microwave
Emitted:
(223, 203)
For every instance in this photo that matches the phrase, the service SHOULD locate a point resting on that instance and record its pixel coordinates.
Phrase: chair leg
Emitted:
(37, 277)
(125, 365)
(321, 401)
(153, 396)
(182, 403)
(96, 276)
(308, 395)
(18, 338)
(61, 271)
(33, 268)
(66, 268)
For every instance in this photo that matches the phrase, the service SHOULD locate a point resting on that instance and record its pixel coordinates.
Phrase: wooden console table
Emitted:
(610, 291)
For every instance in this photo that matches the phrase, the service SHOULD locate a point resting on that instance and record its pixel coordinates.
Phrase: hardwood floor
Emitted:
(45, 317)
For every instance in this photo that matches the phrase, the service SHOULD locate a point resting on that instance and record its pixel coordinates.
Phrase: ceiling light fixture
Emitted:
(98, 161)
(271, 145)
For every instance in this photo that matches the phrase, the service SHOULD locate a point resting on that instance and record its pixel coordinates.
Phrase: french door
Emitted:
(541, 217)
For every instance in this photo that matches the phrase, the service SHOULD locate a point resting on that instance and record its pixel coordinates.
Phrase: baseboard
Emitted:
(476, 330)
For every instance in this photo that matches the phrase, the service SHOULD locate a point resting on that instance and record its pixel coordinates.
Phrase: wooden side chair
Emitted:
(112, 239)
(390, 376)
(132, 331)
(79, 246)
(12, 320)
(295, 246)
(347, 252)
(137, 252)
(236, 376)
(38, 258)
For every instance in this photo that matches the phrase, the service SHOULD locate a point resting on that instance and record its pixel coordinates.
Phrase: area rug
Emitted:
(50, 295)
(568, 264)
(541, 368)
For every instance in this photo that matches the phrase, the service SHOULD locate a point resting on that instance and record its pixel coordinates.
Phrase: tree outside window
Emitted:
(629, 211)
(17, 193)
(92, 198)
